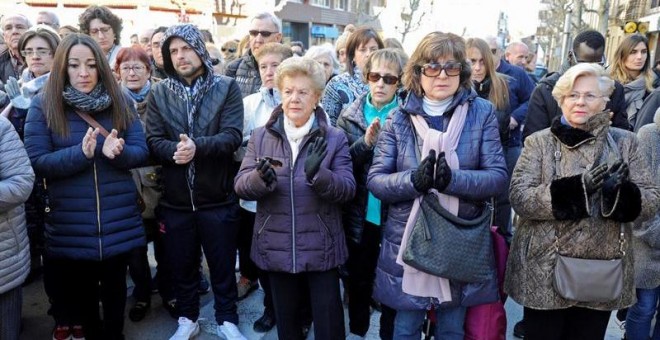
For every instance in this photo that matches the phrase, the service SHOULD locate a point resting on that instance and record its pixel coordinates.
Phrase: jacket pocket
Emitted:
(257, 237)
(328, 239)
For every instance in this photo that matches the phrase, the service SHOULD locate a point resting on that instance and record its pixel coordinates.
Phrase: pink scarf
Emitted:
(415, 282)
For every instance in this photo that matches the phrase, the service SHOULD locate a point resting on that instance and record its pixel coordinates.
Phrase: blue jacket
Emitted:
(520, 90)
(94, 215)
(482, 174)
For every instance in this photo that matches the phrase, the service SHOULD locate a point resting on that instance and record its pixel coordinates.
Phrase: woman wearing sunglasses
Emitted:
(363, 215)
(343, 89)
(466, 169)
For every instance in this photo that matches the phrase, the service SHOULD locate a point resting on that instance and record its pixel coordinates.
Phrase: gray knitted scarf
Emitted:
(95, 101)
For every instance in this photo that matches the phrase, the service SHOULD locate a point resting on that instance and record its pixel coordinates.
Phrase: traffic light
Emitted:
(636, 26)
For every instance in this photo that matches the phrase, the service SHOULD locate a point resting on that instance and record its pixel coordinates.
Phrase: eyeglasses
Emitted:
(574, 97)
(264, 34)
(42, 52)
(451, 69)
(231, 50)
(104, 30)
(134, 68)
(387, 79)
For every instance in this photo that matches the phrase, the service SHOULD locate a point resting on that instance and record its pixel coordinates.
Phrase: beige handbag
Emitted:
(588, 280)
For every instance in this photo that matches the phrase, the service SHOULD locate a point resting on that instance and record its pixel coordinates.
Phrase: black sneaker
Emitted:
(265, 323)
(138, 311)
(519, 329)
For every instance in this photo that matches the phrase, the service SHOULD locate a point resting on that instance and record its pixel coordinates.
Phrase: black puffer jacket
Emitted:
(246, 72)
(217, 131)
(543, 108)
(353, 123)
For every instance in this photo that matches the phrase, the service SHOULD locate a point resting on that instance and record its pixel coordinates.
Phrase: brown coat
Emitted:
(548, 206)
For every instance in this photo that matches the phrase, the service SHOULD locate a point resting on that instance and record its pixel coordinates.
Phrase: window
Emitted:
(322, 3)
(342, 4)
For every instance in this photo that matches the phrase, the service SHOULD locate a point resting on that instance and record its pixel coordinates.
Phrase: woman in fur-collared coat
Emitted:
(598, 180)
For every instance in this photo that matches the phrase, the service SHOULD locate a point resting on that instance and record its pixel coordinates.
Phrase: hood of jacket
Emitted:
(194, 38)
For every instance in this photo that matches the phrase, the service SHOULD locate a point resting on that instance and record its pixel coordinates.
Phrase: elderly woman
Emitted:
(104, 27)
(343, 89)
(325, 55)
(258, 107)
(93, 220)
(646, 246)
(298, 169)
(631, 66)
(363, 215)
(469, 170)
(574, 187)
(16, 178)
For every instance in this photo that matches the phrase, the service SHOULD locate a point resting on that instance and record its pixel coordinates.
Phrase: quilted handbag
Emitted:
(447, 246)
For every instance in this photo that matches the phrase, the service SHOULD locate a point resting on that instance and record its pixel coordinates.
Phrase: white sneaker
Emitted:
(230, 331)
(187, 329)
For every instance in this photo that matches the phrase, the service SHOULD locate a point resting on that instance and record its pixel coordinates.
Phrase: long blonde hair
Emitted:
(499, 89)
(618, 70)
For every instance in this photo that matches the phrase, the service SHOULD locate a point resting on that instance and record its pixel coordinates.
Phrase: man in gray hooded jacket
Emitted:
(194, 125)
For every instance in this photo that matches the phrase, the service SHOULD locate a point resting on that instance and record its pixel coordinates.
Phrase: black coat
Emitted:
(218, 133)
(647, 111)
(543, 108)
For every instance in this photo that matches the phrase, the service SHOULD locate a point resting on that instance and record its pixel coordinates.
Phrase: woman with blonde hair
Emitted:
(575, 187)
(631, 67)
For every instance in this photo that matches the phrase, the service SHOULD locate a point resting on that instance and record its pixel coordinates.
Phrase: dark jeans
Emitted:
(502, 217)
(572, 323)
(361, 265)
(216, 231)
(10, 313)
(248, 269)
(327, 310)
(640, 315)
(77, 287)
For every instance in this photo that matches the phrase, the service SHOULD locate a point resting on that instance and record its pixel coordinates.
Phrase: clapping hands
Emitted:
(89, 142)
(371, 136)
(185, 150)
(113, 146)
(18, 99)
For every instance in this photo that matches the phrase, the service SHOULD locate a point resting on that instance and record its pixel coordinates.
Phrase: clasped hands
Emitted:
(609, 180)
(423, 179)
(112, 146)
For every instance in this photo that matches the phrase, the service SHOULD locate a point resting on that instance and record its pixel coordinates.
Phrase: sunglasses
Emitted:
(231, 50)
(451, 69)
(264, 34)
(387, 79)
(493, 51)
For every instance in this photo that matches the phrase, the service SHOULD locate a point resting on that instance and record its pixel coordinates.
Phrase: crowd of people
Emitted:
(337, 165)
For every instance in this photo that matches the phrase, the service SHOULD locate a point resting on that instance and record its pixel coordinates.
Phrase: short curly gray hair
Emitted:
(565, 83)
(302, 66)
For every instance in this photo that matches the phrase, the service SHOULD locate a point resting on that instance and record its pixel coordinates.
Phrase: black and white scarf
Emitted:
(95, 101)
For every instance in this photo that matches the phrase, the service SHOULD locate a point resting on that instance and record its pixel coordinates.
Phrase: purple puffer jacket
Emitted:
(298, 223)
(482, 175)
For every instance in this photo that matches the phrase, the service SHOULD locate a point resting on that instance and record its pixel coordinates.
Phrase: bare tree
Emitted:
(412, 17)
(221, 7)
(551, 31)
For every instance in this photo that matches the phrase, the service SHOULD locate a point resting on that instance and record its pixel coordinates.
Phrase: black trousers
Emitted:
(387, 315)
(573, 323)
(216, 231)
(327, 309)
(77, 287)
(362, 260)
(247, 267)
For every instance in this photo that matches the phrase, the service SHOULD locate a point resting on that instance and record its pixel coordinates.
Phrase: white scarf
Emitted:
(295, 134)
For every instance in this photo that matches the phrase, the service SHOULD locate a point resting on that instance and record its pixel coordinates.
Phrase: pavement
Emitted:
(158, 324)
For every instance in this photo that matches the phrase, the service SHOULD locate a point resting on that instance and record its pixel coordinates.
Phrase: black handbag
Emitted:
(444, 245)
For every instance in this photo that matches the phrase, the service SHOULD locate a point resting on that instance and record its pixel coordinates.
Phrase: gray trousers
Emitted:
(10, 314)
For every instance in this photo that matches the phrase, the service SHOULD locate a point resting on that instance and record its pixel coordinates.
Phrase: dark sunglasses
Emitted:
(493, 51)
(451, 68)
(231, 50)
(264, 34)
(375, 77)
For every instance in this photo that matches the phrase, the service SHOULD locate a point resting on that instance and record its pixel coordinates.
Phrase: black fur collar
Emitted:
(569, 135)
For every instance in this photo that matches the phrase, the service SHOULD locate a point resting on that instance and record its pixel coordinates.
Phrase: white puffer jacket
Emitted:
(16, 181)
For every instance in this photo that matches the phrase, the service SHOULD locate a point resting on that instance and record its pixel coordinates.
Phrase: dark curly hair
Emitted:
(104, 14)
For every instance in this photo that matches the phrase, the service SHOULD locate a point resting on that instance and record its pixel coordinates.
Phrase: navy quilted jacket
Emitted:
(94, 215)
(482, 174)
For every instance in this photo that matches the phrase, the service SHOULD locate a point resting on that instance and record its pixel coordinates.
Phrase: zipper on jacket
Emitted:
(190, 186)
(190, 190)
(263, 225)
(293, 209)
(98, 211)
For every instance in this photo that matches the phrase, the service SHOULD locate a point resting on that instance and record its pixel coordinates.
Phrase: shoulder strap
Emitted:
(93, 123)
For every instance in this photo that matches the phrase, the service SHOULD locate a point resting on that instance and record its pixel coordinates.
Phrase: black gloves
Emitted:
(315, 155)
(422, 178)
(593, 179)
(266, 171)
(617, 175)
(442, 173)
